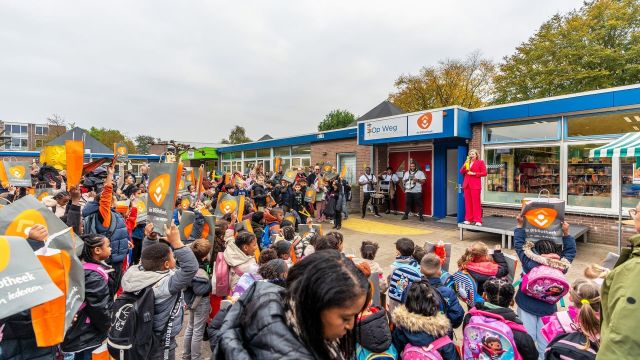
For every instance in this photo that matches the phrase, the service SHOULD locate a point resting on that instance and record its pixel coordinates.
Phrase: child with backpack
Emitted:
(494, 319)
(404, 270)
(155, 286)
(196, 298)
(542, 262)
(474, 268)
(368, 252)
(421, 329)
(431, 270)
(89, 330)
(239, 256)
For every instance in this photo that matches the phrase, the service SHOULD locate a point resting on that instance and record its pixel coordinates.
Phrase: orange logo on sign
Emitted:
(158, 189)
(21, 224)
(122, 150)
(228, 206)
(17, 171)
(181, 184)
(142, 207)
(424, 121)
(5, 253)
(542, 217)
(185, 203)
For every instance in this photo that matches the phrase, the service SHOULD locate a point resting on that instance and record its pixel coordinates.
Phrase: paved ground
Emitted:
(386, 230)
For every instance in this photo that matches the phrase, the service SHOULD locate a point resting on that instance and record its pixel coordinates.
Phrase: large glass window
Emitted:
(301, 150)
(250, 154)
(516, 173)
(630, 167)
(282, 151)
(588, 180)
(535, 130)
(264, 152)
(617, 122)
(347, 164)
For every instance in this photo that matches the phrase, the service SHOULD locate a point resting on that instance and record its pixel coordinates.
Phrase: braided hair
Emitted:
(499, 291)
(543, 247)
(91, 242)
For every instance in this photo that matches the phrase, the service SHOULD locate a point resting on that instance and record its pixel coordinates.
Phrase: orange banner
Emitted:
(75, 160)
(178, 177)
(4, 180)
(48, 319)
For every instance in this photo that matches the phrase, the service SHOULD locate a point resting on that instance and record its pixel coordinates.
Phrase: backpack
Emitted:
(485, 328)
(90, 225)
(101, 271)
(545, 283)
(363, 354)
(400, 279)
(265, 242)
(571, 346)
(430, 352)
(221, 273)
(557, 324)
(466, 287)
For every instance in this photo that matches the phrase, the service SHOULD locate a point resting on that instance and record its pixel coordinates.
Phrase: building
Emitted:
(528, 147)
(26, 136)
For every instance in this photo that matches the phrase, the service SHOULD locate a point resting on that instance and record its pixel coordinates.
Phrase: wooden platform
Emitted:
(505, 226)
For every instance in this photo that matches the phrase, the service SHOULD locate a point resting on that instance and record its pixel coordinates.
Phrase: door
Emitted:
(424, 161)
(397, 159)
(452, 182)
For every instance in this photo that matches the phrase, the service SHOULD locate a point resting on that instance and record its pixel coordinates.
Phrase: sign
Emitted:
(543, 219)
(161, 201)
(426, 123)
(18, 173)
(140, 203)
(385, 128)
(229, 204)
(120, 152)
(191, 154)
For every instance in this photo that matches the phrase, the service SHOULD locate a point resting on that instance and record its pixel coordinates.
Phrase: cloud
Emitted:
(192, 70)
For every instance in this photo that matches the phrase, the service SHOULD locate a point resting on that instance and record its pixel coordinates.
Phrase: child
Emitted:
(196, 297)
(335, 194)
(481, 265)
(498, 296)
(283, 249)
(240, 256)
(306, 245)
(297, 202)
(331, 241)
(368, 251)
(419, 322)
(257, 223)
(247, 279)
(272, 219)
(431, 270)
(404, 270)
(90, 328)
(158, 270)
(543, 252)
(274, 271)
(418, 253)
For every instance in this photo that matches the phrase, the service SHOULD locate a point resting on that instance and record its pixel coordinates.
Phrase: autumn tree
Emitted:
(143, 142)
(238, 135)
(595, 47)
(111, 136)
(336, 119)
(465, 82)
(57, 125)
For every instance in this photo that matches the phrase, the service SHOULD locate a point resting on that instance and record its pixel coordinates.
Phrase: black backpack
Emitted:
(571, 346)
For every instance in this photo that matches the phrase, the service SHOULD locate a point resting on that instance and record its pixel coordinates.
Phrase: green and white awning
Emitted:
(626, 146)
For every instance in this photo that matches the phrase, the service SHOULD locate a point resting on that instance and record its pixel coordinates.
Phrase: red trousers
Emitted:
(472, 205)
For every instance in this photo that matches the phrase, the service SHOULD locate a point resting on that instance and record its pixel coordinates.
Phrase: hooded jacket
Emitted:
(420, 330)
(259, 194)
(255, 328)
(620, 295)
(481, 276)
(529, 260)
(120, 237)
(374, 333)
(524, 342)
(239, 262)
(453, 309)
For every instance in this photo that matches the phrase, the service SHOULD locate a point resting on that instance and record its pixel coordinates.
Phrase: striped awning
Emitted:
(626, 146)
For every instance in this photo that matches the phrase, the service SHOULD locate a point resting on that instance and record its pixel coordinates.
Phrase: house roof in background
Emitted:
(384, 109)
(81, 134)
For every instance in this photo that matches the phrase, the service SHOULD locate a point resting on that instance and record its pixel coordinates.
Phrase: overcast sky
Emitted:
(191, 70)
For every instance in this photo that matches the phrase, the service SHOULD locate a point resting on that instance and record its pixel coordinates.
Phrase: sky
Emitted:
(192, 70)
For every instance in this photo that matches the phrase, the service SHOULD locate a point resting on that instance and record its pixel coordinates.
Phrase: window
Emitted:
(250, 154)
(264, 152)
(528, 131)
(41, 130)
(588, 180)
(39, 144)
(347, 161)
(516, 173)
(617, 122)
(301, 150)
(630, 167)
(282, 151)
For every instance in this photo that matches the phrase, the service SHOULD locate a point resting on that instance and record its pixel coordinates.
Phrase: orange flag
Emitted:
(4, 180)
(178, 177)
(75, 160)
(199, 187)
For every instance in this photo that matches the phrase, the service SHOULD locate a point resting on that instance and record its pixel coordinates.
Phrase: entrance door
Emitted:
(423, 158)
(397, 159)
(452, 182)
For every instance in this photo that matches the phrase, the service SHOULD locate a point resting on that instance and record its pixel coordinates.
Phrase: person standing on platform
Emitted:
(413, 180)
(368, 182)
(473, 170)
(388, 182)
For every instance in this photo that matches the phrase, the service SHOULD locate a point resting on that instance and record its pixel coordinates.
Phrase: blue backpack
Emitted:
(401, 278)
(363, 354)
(265, 242)
(466, 287)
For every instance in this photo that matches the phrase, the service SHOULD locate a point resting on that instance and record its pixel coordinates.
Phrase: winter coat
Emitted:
(481, 276)
(200, 286)
(258, 229)
(167, 289)
(259, 195)
(255, 328)
(373, 332)
(286, 197)
(620, 295)
(73, 216)
(524, 342)
(529, 260)
(90, 329)
(239, 262)
(419, 330)
(453, 309)
(18, 339)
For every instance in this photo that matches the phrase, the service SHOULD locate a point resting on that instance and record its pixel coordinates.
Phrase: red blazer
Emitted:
(474, 182)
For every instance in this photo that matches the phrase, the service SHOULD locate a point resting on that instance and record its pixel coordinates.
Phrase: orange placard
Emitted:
(48, 318)
(75, 160)
(179, 177)
(4, 180)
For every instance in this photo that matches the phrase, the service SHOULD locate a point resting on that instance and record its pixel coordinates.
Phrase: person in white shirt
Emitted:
(368, 182)
(413, 180)
(388, 182)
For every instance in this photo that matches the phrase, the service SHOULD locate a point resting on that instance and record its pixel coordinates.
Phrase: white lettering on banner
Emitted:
(386, 128)
(429, 122)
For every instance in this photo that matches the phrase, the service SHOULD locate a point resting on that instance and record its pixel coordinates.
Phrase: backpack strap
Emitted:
(564, 319)
(440, 343)
(97, 268)
(476, 312)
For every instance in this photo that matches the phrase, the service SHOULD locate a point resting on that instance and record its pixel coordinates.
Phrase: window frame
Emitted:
(557, 120)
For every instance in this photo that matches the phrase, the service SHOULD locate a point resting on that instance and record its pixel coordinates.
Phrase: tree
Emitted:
(57, 126)
(464, 82)
(238, 135)
(143, 142)
(111, 136)
(595, 47)
(337, 119)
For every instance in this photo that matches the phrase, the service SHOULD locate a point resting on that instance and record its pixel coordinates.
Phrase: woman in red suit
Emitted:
(473, 170)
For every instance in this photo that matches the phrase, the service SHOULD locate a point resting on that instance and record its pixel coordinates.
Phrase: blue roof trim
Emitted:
(86, 156)
(293, 140)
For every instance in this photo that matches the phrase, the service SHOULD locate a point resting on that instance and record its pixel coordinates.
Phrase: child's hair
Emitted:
(418, 253)
(201, 248)
(327, 242)
(91, 242)
(276, 210)
(267, 255)
(274, 269)
(405, 246)
(585, 296)
(60, 195)
(499, 292)
(282, 247)
(257, 216)
(430, 265)
(475, 251)
(154, 256)
(244, 238)
(368, 250)
(289, 233)
(422, 299)
(221, 229)
(595, 271)
(285, 223)
(543, 247)
(336, 235)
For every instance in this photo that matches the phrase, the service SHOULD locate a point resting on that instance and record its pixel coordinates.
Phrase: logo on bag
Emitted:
(17, 171)
(5, 253)
(425, 120)
(542, 217)
(159, 188)
(22, 224)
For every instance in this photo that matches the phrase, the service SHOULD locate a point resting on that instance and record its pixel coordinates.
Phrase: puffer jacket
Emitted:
(120, 237)
(483, 271)
(373, 332)
(259, 194)
(255, 328)
(419, 330)
(239, 262)
(452, 308)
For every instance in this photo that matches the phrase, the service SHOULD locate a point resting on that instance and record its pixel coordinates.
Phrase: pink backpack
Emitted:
(100, 270)
(425, 352)
(221, 272)
(490, 336)
(545, 283)
(557, 324)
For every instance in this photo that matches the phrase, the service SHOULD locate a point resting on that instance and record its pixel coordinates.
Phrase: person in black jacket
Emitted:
(336, 196)
(498, 296)
(196, 297)
(312, 318)
(259, 193)
(73, 211)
